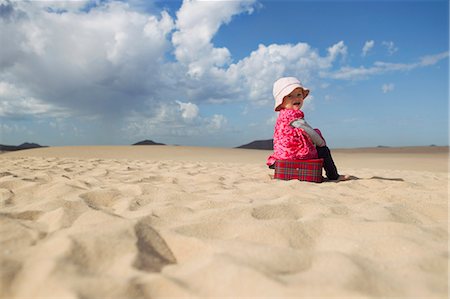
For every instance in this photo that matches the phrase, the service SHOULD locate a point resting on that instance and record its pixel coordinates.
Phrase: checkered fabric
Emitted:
(302, 170)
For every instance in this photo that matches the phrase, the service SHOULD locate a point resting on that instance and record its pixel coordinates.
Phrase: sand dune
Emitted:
(127, 222)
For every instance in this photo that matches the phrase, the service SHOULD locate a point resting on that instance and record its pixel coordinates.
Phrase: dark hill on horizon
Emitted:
(259, 144)
(148, 142)
(23, 146)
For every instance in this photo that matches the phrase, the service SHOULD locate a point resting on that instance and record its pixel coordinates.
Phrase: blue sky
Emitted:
(201, 72)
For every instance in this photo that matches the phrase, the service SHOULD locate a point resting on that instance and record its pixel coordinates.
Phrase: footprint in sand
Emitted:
(101, 199)
(139, 202)
(153, 252)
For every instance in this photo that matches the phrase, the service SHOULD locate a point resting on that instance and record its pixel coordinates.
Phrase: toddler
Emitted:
(293, 137)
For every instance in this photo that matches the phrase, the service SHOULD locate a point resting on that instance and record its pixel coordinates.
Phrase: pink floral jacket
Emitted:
(290, 142)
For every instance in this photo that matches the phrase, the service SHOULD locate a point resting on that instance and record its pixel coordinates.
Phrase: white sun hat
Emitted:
(284, 86)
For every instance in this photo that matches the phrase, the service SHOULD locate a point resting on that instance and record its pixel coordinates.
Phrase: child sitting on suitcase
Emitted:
(294, 139)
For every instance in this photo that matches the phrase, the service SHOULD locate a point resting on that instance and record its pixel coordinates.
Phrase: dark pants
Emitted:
(328, 164)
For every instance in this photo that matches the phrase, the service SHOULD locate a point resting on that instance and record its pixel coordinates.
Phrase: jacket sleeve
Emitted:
(302, 124)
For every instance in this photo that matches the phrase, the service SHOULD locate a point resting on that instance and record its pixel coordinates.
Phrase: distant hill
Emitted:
(23, 146)
(148, 142)
(259, 144)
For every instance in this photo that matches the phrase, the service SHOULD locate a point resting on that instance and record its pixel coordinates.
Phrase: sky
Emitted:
(200, 73)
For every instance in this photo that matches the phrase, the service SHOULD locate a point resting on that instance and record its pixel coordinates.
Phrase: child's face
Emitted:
(294, 100)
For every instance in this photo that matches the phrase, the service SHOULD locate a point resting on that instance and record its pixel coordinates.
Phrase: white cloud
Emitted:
(167, 121)
(17, 103)
(114, 62)
(379, 67)
(59, 6)
(256, 73)
(339, 49)
(387, 87)
(189, 111)
(368, 45)
(197, 23)
(101, 62)
(217, 122)
(432, 59)
(390, 47)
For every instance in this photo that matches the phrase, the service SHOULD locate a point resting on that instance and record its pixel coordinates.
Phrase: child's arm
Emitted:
(302, 124)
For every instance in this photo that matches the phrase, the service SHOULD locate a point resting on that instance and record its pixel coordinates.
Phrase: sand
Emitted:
(187, 222)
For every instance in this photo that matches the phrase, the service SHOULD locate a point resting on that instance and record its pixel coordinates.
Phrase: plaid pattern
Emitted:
(302, 170)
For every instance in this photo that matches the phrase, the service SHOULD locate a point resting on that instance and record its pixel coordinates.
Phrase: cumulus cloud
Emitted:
(257, 72)
(189, 111)
(117, 61)
(197, 23)
(368, 45)
(99, 62)
(387, 87)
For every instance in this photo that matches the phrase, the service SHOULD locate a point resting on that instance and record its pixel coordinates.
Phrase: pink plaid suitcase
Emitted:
(302, 170)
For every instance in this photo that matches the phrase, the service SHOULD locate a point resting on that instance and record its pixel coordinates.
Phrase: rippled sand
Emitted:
(158, 222)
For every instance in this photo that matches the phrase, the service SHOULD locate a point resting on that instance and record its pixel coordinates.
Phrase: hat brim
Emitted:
(280, 101)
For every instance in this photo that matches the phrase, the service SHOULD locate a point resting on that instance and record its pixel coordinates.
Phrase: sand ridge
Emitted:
(142, 228)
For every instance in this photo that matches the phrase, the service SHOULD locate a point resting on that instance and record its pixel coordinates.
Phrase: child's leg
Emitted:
(328, 163)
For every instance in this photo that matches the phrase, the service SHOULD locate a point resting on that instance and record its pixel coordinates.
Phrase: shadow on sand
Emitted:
(386, 179)
(354, 178)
